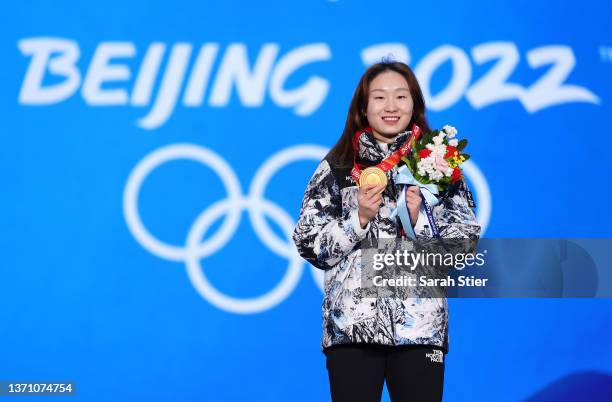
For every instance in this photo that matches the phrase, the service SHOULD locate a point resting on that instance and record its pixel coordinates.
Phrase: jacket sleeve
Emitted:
(454, 218)
(323, 234)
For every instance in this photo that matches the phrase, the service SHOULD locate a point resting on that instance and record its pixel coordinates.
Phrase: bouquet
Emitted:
(436, 158)
(434, 167)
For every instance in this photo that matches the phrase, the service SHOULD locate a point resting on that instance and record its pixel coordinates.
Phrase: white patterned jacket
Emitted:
(328, 235)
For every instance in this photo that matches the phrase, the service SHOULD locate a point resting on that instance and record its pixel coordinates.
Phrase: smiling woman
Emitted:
(389, 105)
(369, 341)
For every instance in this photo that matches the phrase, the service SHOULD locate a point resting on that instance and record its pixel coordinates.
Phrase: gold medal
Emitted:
(372, 175)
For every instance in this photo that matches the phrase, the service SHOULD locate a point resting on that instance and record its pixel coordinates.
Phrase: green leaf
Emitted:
(413, 164)
(462, 144)
(466, 156)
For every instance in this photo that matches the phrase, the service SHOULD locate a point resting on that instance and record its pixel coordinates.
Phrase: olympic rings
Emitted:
(195, 249)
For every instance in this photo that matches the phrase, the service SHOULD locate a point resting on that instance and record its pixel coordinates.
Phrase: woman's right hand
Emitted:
(370, 199)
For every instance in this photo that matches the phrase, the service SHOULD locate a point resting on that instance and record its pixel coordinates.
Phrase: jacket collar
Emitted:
(369, 150)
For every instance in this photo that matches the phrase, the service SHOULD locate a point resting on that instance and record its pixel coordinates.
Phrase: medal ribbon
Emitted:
(429, 199)
(390, 161)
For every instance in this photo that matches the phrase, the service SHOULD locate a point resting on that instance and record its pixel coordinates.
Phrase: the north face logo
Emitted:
(436, 356)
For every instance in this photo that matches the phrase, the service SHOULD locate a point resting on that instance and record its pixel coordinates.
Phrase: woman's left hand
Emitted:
(413, 202)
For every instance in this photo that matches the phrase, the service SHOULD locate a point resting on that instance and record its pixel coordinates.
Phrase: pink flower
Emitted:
(441, 164)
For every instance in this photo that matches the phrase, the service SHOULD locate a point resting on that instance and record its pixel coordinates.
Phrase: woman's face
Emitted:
(389, 105)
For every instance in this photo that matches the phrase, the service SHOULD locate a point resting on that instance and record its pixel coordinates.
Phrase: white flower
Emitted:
(425, 163)
(439, 150)
(436, 175)
(426, 167)
(450, 131)
(437, 140)
(454, 142)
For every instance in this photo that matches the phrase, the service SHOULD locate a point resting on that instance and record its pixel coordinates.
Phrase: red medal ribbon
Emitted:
(390, 161)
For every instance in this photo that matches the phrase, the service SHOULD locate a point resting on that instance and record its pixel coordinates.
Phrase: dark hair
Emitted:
(342, 153)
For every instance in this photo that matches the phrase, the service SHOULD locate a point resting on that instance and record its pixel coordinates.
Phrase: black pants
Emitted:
(357, 372)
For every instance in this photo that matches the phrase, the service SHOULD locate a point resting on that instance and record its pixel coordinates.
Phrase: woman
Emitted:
(366, 340)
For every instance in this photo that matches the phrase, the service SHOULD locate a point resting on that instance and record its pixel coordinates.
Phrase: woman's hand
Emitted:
(413, 202)
(370, 199)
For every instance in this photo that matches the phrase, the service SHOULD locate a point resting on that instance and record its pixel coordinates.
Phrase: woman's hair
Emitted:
(342, 153)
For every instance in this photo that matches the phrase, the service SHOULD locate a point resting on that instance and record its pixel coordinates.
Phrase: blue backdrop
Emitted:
(154, 157)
